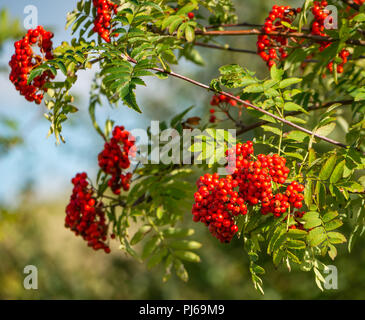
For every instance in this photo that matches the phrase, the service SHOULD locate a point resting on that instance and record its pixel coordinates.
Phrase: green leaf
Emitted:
(295, 119)
(326, 130)
(359, 17)
(139, 235)
(297, 234)
(332, 252)
(187, 256)
(157, 258)
(294, 155)
(150, 246)
(62, 67)
(274, 130)
(275, 73)
(180, 270)
(189, 33)
(185, 245)
(334, 224)
(258, 269)
(338, 172)
(328, 167)
(153, 5)
(176, 22)
(254, 88)
(336, 237)
(288, 82)
(296, 244)
(312, 223)
(311, 156)
(329, 216)
(297, 135)
(187, 8)
(130, 101)
(291, 106)
(316, 236)
(34, 74)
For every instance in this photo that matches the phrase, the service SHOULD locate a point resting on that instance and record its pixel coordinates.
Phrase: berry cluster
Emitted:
(104, 11)
(115, 158)
(344, 54)
(251, 182)
(212, 118)
(216, 203)
(320, 15)
(292, 198)
(25, 59)
(218, 99)
(85, 215)
(267, 44)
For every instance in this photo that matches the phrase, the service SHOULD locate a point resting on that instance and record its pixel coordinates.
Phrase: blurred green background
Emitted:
(34, 190)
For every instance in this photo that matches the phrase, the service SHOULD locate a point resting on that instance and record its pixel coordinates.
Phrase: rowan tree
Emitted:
(280, 194)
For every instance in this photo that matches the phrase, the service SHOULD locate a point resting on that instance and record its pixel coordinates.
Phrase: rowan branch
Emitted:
(247, 104)
(352, 4)
(233, 25)
(225, 47)
(294, 113)
(276, 33)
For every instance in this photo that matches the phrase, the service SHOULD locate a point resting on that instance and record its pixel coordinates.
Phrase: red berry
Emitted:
(191, 15)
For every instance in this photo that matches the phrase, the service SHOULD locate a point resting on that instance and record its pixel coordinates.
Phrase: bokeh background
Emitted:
(35, 185)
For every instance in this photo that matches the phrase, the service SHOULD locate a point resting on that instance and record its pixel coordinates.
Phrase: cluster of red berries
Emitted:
(85, 215)
(344, 54)
(212, 118)
(115, 158)
(24, 60)
(292, 198)
(217, 202)
(359, 2)
(104, 12)
(191, 15)
(320, 15)
(216, 205)
(216, 101)
(267, 44)
(255, 178)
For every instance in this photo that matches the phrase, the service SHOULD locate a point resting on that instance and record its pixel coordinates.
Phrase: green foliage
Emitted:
(294, 114)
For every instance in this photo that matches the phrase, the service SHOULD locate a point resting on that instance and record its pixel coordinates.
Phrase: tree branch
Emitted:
(276, 33)
(239, 100)
(225, 47)
(228, 48)
(233, 25)
(294, 113)
(352, 4)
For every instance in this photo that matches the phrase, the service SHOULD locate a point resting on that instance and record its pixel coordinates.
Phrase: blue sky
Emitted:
(40, 161)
